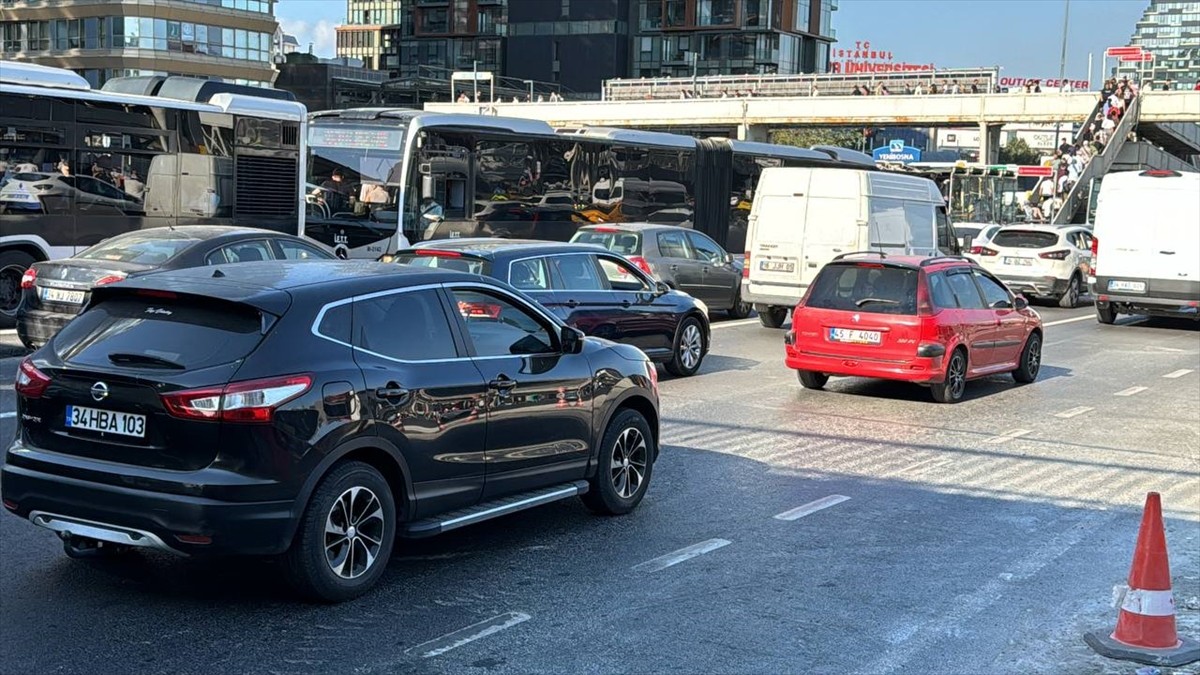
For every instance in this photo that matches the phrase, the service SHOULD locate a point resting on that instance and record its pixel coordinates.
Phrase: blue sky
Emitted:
(1022, 36)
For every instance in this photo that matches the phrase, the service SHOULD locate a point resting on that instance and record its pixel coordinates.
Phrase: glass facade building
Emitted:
(230, 40)
(1170, 30)
(361, 36)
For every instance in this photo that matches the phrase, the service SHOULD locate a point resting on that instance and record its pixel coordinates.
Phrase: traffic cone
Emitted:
(1145, 630)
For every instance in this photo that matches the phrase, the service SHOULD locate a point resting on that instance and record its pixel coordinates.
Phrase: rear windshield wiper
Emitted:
(885, 301)
(121, 358)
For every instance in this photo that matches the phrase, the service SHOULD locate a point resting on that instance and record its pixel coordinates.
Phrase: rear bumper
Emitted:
(1161, 298)
(1041, 286)
(37, 326)
(916, 369)
(74, 505)
(777, 297)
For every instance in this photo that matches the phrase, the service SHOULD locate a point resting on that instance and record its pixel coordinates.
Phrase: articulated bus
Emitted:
(381, 179)
(79, 165)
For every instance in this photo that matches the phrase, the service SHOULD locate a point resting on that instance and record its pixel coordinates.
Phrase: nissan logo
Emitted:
(99, 391)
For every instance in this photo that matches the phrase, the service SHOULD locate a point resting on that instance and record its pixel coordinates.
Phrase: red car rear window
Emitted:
(872, 288)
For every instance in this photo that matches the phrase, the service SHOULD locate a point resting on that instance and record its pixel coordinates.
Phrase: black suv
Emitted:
(592, 289)
(318, 410)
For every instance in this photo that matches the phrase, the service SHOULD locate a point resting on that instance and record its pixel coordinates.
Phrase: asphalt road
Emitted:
(863, 529)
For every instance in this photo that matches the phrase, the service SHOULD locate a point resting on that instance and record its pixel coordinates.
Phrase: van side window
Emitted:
(947, 242)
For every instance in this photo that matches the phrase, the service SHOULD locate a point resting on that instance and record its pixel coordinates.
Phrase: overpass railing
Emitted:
(718, 86)
(1100, 164)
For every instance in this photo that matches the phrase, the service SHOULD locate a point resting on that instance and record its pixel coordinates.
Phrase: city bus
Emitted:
(79, 165)
(381, 179)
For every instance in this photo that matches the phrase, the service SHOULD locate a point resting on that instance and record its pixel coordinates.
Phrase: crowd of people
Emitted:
(554, 97)
(1072, 158)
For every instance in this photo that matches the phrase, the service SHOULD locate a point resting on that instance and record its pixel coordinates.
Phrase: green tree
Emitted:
(1017, 151)
(806, 137)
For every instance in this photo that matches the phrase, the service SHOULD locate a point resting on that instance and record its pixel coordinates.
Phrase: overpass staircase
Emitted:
(1077, 200)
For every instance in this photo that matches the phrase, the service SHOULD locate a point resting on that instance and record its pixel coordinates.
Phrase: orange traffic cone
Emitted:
(1145, 630)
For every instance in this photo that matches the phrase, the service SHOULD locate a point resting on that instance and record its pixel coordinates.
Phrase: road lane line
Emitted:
(1178, 373)
(664, 561)
(727, 324)
(1008, 436)
(4, 416)
(811, 507)
(1074, 412)
(1071, 320)
(1131, 391)
(463, 636)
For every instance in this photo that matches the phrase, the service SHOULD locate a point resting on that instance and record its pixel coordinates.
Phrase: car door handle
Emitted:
(502, 383)
(626, 303)
(392, 392)
(674, 268)
(571, 303)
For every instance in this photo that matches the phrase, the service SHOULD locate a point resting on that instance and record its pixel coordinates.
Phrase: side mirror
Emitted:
(728, 259)
(1020, 302)
(572, 340)
(661, 288)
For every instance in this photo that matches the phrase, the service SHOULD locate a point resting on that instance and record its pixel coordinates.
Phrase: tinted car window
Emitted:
(865, 288)
(142, 248)
(168, 331)
(671, 245)
(456, 263)
(625, 243)
(1025, 239)
(578, 272)
(705, 249)
(499, 328)
(939, 289)
(409, 326)
(621, 276)
(294, 250)
(966, 294)
(529, 275)
(248, 251)
(336, 323)
(992, 292)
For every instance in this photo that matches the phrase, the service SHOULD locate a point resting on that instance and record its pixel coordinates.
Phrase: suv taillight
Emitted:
(1055, 255)
(28, 278)
(746, 266)
(641, 264)
(254, 401)
(31, 382)
(983, 250)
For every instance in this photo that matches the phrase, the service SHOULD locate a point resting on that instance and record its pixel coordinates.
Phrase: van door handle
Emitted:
(1167, 252)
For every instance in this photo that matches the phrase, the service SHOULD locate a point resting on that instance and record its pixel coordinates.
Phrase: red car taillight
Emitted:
(924, 304)
(28, 278)
(746, 266)
(1055, 255)
(31, 382)
(641, 264)
(254, 401)
(983, 250)
(110, 279)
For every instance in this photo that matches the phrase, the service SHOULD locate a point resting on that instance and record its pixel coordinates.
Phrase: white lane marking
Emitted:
(1131, 391)
(8, 331)
(664, 561)
(1178, 373)
(1073, 319)
(1008, 436)
(912, 468)
(463, 636)
(811, 507)
(727, 324)
(1074, 412)
(6, 415)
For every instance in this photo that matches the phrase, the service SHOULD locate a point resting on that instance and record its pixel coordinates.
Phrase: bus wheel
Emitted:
(12, 267)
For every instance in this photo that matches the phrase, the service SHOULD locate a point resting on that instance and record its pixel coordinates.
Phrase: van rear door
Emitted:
(777, 240)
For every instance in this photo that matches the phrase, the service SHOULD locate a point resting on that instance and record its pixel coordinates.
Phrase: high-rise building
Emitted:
(232, 40)
(1170, 30)
(732, 37)
(361, 37)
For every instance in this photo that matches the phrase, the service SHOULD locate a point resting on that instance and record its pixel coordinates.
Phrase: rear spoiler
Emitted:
(163, 286)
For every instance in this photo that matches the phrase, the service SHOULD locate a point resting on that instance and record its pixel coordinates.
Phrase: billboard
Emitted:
(862, 58)
(897, 151)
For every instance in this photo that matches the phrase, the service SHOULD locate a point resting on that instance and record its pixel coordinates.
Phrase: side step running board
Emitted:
(493, 509)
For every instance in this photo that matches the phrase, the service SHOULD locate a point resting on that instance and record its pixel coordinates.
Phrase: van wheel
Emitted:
(625, 464)
(12, 267)
(1031, 360)
(810, 379)
(1070, 299)
(952, 388)
(1106, 313)
(345, 537)
(773, 317)
(689, 349)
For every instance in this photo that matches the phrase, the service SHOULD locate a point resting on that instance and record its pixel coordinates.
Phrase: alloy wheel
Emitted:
(629, 458)
(690, 346)
(354, 529)
(1033, 360)
(957, 376)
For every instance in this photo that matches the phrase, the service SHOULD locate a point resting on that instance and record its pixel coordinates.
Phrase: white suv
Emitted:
(1040, 260)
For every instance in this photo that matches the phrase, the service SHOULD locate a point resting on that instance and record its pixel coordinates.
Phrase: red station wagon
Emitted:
(933, 321)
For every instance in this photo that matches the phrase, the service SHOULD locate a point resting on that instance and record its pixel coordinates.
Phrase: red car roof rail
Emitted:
(881, 254)
(944, 258)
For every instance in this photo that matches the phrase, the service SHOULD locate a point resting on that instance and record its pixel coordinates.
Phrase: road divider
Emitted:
(1131, 391)
(684, 554)
(464, 636)
(1008, 436)
(1074, 412)
(811, 507)
(1178, 373)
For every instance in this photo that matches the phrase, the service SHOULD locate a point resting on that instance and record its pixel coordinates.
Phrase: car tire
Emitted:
(689, 349)
(12, 267)
(773, 317)
(811, 379)
(1031, 360)
(626, 462)
(1106, 313)
(1070, 299)
(952, 388)
(355, 498)
(740, 310)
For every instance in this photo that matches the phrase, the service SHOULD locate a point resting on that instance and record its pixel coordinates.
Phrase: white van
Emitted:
(1146, 248)
(803, 218)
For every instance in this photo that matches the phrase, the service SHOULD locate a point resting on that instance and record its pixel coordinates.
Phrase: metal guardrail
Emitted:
(1099, 165)
(714, 86)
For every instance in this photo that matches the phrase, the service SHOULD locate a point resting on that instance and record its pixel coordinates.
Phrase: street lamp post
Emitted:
(1062, 74)
(530, 83)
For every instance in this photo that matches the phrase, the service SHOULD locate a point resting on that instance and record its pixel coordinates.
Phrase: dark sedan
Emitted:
(592, 289)
(54, 292)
